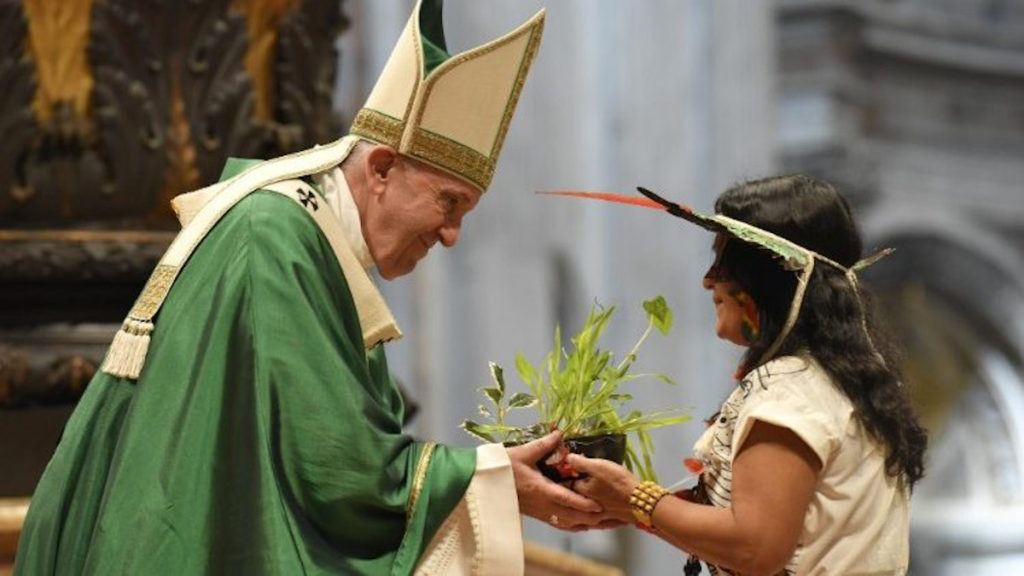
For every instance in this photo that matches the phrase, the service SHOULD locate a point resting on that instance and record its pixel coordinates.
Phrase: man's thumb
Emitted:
(541, 447)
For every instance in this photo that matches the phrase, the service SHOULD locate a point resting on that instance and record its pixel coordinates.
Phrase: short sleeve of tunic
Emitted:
(797, 394)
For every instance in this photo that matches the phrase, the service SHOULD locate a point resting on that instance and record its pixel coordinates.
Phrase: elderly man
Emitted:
(245, 421)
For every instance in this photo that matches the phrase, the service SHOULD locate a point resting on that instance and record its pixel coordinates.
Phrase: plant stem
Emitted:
(628, 360)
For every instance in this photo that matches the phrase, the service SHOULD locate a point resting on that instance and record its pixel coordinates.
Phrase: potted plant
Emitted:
(579, 392)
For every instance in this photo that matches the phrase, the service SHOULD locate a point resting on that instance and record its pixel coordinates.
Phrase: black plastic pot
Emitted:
(608, 446)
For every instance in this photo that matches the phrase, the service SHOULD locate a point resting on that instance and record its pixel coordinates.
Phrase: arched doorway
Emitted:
(956, 310)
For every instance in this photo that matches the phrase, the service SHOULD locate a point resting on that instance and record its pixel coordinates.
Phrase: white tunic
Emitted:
(858, 520)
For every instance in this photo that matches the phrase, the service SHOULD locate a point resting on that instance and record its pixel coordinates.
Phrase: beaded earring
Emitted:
(750, 320)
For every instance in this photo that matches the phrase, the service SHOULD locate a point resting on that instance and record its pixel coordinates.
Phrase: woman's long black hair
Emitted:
(811, 213)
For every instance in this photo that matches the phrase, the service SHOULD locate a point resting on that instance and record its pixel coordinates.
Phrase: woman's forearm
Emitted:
(774, 476)
(717, 536)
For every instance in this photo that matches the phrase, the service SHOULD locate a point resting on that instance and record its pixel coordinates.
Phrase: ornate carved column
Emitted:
(109, 109)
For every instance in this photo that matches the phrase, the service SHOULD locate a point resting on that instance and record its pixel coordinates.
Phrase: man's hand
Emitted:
(545, 500)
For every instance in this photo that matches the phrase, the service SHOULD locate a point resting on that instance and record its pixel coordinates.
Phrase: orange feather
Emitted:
(607, 197)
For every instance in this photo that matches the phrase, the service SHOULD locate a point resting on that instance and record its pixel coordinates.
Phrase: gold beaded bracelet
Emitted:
(644, 498)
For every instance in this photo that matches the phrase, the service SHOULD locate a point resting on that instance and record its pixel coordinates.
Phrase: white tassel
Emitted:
(113, 361)
(127, 354)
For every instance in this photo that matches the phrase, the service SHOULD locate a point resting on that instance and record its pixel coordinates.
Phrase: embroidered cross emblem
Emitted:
(308, 199)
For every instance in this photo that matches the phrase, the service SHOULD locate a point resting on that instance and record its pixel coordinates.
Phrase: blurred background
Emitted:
(913, 108)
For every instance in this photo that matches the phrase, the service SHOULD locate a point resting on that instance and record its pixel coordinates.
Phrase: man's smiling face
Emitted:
(417, 207)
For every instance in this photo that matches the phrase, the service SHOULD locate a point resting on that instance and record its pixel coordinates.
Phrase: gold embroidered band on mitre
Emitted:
(427, 146)
(378, 127)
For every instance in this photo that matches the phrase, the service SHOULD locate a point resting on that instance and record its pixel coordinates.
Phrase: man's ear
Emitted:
(380, 161)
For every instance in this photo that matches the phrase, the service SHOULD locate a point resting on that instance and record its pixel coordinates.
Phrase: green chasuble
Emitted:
(260, 438)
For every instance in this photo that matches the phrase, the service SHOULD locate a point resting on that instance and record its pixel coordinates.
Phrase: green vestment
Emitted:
(260, 438)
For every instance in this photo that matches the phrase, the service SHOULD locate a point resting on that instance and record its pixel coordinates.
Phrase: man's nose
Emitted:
(449, 235)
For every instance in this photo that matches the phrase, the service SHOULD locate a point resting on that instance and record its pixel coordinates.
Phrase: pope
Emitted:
(245, 420)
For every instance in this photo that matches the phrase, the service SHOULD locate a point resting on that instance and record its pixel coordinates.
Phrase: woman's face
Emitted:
(735, 310)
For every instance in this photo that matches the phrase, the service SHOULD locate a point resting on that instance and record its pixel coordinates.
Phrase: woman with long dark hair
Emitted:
(808, 467)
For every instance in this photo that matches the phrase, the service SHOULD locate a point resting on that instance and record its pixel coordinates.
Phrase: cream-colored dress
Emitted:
(858, 519)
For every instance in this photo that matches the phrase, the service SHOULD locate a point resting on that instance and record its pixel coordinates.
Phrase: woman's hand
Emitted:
(608, 483)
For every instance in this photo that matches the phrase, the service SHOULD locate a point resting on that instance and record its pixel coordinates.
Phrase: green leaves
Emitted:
(578, 390)
(498, 375)
(522, 400)
(495, 395)
(529, 375)
(481, 431)
(659, 314)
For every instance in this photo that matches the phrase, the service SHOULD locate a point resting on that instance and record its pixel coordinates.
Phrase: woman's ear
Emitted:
(379, 163)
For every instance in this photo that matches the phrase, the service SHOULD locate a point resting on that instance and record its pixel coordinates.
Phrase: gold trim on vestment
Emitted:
(157, 287)
(418, 479)
(127, 354)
